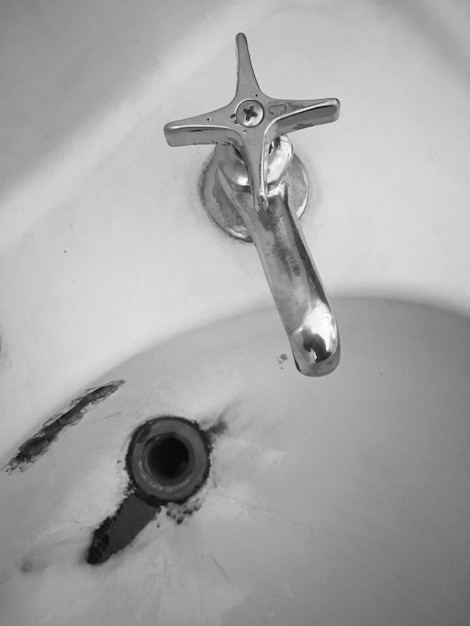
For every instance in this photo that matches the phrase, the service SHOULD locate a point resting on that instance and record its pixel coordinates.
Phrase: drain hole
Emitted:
(168, 459)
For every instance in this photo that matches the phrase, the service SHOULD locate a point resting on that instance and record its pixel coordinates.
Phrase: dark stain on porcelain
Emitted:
(218, 428)
(213, 430)
(37, 445)
(119, 530)
(181, 512)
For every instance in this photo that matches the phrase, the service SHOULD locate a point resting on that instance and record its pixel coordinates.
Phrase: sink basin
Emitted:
(336, 501)
(332, 501)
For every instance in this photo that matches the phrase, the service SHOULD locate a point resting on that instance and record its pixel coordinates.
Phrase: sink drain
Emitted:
(168, 459)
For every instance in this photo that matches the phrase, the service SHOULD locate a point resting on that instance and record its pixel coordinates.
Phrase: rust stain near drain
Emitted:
(37, 445)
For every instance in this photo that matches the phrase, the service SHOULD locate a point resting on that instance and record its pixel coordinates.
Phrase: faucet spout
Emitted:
(248, 129)
(295, 284)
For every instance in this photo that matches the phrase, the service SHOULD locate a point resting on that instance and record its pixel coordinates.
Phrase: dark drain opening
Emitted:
(168, 459)
(167, 462)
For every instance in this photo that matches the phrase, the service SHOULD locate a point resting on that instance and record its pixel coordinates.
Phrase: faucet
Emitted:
(253, 188)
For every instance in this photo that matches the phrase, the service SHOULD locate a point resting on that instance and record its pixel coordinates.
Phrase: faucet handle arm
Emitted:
(207, 128)
(291, 115)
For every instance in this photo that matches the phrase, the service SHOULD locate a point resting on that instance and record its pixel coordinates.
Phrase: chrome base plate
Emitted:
(224, 212)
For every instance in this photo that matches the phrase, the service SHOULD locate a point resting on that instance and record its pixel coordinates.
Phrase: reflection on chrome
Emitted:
(251, 127)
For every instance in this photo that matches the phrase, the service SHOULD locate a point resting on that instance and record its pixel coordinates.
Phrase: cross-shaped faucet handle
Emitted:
(251, 122)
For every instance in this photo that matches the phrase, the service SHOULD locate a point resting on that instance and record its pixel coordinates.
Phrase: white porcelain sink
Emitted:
(336, 501)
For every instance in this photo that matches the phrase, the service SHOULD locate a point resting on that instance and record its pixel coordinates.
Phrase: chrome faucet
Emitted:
(253, 193)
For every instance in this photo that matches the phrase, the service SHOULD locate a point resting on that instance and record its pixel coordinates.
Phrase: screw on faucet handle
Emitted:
(251, 122)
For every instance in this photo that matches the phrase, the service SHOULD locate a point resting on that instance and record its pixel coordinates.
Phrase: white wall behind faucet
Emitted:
(106, 248)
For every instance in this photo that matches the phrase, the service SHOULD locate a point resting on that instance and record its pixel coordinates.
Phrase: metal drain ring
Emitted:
(168, 459)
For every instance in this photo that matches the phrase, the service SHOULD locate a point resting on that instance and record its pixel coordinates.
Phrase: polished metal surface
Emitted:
(168, 459)
(249, 125)
(225, 185)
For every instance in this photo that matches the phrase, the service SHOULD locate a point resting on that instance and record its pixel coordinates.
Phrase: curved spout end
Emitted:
(316, 354)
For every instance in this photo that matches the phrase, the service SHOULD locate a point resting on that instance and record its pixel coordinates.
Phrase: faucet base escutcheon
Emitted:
(225, 189)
